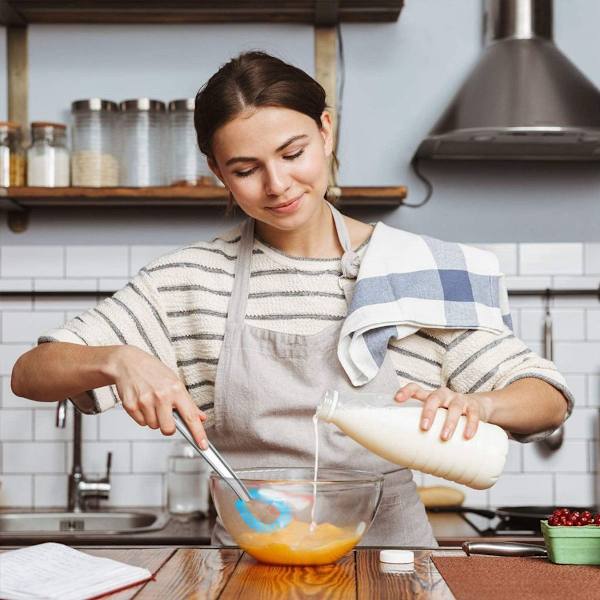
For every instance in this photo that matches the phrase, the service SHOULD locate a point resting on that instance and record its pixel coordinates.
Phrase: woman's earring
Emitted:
(333, 194)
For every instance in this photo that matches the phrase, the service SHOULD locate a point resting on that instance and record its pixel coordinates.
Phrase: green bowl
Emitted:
(576, 545)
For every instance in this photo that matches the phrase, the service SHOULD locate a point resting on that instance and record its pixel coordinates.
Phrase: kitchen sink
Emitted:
(80, 523)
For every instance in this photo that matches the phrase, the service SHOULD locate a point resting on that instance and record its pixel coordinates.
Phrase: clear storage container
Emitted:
(143, 143)
(48, 156)
(188, 166)
(94, 158)
(187, 482)
(12, 159)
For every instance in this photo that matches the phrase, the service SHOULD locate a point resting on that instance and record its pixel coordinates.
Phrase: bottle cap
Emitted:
(398, 557)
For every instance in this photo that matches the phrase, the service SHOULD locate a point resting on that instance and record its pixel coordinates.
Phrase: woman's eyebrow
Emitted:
(293, 139)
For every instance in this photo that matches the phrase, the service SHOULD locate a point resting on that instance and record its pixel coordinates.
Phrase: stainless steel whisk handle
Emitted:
(214, 459)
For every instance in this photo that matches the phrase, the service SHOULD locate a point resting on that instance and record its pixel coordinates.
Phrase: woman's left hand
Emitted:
(476, 407)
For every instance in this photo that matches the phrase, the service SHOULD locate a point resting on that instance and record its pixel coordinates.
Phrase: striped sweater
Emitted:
(176, 307)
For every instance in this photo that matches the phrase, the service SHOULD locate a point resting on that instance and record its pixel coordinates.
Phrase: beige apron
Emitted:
(267, 387)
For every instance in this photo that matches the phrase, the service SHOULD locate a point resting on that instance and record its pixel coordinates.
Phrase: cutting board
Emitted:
(517, 578)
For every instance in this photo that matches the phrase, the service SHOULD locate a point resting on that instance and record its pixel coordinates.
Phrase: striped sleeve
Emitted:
(479, 361)
(132, 316)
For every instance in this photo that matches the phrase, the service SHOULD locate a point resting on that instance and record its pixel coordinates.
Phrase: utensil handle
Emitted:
(503, 549)
(214, 459)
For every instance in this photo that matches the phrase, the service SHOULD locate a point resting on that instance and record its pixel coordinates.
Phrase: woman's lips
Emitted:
(287, 208)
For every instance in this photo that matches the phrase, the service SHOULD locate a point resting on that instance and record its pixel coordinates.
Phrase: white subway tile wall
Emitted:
(35, 455)
(591, 258)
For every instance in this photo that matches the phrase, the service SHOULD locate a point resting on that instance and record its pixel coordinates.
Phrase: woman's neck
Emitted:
(317, 238)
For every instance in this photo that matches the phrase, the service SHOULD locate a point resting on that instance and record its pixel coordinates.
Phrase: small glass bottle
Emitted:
(392, 430)
(187, 482)
(48, 156)
(142, 126)
(12, 158)
(94, 159)
(188, 166)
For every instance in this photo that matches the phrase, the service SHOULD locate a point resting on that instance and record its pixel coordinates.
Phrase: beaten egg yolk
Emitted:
(296, 544)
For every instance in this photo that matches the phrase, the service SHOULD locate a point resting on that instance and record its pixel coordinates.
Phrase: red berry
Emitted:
(596, 520)
(552, 520)
(565, 511)
(586, 514)
(563, 520)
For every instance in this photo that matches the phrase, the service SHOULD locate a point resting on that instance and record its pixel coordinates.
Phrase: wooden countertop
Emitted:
(230, 574)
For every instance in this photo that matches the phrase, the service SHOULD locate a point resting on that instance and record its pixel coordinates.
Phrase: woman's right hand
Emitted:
(150, 391)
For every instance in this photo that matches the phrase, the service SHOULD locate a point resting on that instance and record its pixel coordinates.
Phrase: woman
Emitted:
(240, 334)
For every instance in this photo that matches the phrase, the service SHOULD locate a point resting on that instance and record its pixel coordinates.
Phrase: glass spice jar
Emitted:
(188, 166)
(12, 158)
(94, 158)
(142, 126)
(48, 156)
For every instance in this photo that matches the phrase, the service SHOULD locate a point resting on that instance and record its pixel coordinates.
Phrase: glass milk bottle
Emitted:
(391, 430)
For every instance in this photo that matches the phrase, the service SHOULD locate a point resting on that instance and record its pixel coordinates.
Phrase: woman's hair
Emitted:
(251, 80)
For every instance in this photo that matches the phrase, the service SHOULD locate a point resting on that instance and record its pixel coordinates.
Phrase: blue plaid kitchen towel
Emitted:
(406, 282)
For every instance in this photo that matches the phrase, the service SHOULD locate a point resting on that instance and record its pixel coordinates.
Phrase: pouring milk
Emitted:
(392, 431)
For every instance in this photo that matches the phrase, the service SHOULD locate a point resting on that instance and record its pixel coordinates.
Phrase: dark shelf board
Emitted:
(317, 12)
(24, 198)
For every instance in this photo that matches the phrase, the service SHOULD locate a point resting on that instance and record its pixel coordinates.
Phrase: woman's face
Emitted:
(275, 163)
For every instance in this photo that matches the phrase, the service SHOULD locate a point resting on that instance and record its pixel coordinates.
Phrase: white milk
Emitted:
(392, 431)
(313, 510)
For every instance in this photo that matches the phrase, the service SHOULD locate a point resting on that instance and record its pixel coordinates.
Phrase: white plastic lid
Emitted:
(398, 557)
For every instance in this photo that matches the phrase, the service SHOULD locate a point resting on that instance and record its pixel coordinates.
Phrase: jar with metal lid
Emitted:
(12, 159)
(94, 157)
(143, 142)
(188, 166)
(48, 156)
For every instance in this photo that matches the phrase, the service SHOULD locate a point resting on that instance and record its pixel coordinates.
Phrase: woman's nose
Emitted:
(277, 181)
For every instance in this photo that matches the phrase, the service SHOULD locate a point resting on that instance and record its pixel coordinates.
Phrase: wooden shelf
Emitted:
(19, 201)
(317, 12)
(19, 198)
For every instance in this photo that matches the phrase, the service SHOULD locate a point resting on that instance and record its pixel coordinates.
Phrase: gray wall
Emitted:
(399, 77)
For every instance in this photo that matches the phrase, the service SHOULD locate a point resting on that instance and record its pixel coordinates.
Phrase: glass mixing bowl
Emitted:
(346, 503)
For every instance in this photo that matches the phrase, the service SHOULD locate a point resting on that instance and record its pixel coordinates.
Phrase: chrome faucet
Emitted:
(81, 488)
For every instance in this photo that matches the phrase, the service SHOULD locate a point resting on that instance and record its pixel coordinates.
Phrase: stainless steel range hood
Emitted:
(524, 100)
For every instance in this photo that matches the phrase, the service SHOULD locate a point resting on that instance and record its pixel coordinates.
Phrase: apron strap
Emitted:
(236, 311)
(350, 259)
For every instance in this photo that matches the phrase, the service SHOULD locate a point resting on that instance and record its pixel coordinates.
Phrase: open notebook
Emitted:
(52, 571)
